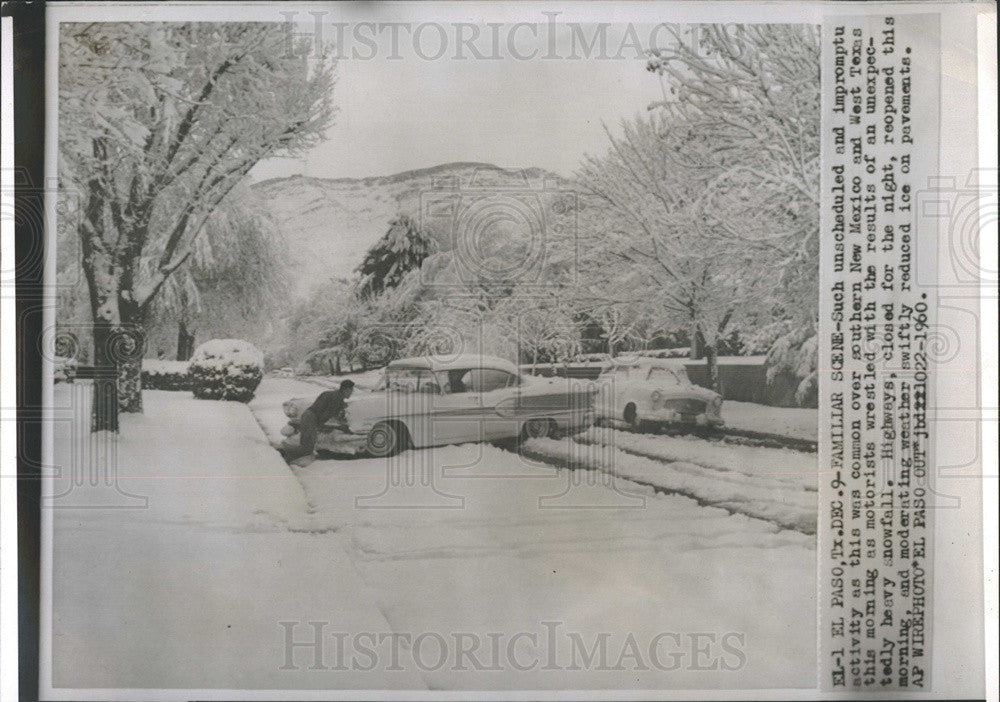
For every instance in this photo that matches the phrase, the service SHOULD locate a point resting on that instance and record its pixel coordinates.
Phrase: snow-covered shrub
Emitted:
(226, 369)
(165, 375)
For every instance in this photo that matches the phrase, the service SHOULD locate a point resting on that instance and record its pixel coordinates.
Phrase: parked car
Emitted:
(430, 401)
(651, 392)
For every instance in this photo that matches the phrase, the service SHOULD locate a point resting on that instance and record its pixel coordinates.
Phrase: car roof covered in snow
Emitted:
(454, 361)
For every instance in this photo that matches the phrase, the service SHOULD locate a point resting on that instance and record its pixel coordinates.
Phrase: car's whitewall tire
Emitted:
(385, 439)
(537, 428)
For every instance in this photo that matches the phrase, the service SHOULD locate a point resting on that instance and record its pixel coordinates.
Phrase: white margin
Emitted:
(499, 11)
(8, 377)
(987, 81)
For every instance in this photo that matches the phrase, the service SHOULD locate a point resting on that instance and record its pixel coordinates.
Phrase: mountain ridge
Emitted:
(329, 223)
(415, 173)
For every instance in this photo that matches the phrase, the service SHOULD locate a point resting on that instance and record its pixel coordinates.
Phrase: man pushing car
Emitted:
(331, 404)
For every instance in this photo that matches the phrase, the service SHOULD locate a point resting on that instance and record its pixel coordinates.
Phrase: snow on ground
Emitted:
(477, 539)
(504, 544)
(751, 465)
(530, 560)
(784, 504)
(794, 422)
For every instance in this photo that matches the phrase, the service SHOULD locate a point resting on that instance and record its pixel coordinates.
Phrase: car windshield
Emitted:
(665, 376)
(411, 380)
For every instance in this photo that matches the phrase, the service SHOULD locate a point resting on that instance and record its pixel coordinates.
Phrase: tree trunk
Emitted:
(104, 406)
(712, 366)
(698, 346)
(119, 342)
(185, 342)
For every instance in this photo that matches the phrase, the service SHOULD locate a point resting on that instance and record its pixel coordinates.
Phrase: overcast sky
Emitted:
(397, 115)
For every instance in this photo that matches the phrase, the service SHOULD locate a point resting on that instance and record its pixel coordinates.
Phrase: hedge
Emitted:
(165, 375)
(226, 369)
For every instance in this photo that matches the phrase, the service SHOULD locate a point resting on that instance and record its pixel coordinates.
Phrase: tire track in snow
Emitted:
(788, 509)
(756, 466)
(729, 435)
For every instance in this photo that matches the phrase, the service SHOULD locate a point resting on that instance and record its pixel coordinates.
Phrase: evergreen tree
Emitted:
(403, 248)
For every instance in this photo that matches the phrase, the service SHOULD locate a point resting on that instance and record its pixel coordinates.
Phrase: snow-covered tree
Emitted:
(744, 101)
(233, 285)
(329, 317)
(542, 329)
(401, 250)
(657, 252)
(158, 122)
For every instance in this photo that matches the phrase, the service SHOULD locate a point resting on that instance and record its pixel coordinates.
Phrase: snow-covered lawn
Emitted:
(530, 560)
(188, 591)
(794, 422)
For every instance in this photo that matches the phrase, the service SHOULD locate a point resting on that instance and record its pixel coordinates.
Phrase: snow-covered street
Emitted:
(578, 545)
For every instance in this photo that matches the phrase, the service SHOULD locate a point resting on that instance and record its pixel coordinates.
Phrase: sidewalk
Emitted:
(188, 591)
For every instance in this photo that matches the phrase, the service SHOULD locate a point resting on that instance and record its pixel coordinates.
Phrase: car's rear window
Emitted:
(479, 380)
